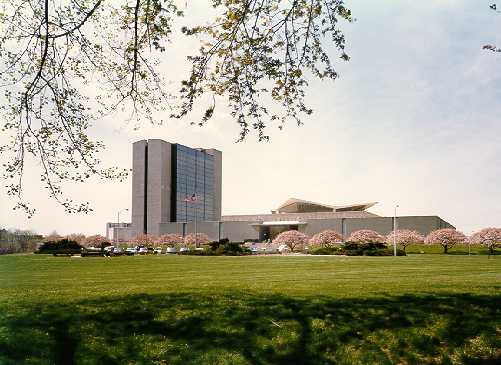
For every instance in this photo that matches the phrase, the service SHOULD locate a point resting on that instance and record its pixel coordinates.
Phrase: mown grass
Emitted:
(420, 309)
(463, 249)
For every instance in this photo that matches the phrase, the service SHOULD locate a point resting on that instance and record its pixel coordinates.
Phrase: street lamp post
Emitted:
(395, 231)
(118, 222)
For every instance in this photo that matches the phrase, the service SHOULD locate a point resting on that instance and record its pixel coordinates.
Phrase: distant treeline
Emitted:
(16, 241)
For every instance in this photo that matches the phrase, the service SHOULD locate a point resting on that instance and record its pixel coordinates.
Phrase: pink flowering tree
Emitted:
(170, 239)
(199, 239)
(447, 237)
(77, 237)
(327, 238)
(53, 237)
(144, 240)
(366, 236)
(292, 239)
(96, 240)
(404, 237)
(489, 237)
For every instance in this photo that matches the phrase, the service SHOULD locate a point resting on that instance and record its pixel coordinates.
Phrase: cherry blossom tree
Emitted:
(199, 239)
(170, 239)
(53, 237)
(77, 237)
(366, 236)
(144, 240)
(447, 237)
(327, 238)
(404, 237)
(489, 237)
(95, 240)
(292, 239)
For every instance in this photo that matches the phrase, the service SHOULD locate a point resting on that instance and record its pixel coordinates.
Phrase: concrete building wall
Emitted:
(382, 225)
(423, 225)
(242, 230)
(123, 234)
(318, 225)
(211, 229)
(218, 181)
(171, 227)
(239, 231)
(159, 184)
(138, 186)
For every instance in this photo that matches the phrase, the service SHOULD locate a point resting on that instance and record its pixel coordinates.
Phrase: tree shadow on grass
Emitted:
(241, 328)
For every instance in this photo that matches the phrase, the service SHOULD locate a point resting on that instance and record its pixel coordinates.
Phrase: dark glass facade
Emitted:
(193, 176)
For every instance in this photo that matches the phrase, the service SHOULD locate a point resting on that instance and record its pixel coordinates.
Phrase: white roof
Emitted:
(282, 223)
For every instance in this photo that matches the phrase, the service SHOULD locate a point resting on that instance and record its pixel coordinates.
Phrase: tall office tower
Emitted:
(174, 183)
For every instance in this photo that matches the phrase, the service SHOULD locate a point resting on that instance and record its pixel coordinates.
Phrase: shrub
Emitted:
(327, 250)
(404, 237)
(232, 249)
(327, 238)
(446, 237)
(366, 236)
(292, 239)
(6, 250)
(368, 249)
(63, 246)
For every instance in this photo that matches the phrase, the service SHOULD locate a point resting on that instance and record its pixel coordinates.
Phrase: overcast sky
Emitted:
(413, 120)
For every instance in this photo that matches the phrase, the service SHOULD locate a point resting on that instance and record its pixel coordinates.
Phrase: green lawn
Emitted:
(419, 309)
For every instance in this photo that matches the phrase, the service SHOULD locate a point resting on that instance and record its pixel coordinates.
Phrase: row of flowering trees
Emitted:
(447, 237)
(81, 239)
(171, 239)
(142, 239)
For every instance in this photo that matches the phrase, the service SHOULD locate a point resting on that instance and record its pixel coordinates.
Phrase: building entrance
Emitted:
(269, 232)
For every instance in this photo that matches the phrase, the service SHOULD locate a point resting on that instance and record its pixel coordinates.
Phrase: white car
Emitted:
(143, 251)
(157, 250)
(184, 249)
(109, 248)
(131, 251)
(170, 250)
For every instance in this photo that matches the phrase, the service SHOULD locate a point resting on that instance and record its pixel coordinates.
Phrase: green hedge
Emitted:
(63, 247)
(222, 248)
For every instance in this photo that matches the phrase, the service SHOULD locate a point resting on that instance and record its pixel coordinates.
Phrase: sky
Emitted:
(413, 120)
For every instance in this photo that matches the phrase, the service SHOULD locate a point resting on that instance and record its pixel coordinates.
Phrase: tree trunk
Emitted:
(445, 249)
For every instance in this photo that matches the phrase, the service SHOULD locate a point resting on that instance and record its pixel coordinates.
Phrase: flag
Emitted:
(191, 199)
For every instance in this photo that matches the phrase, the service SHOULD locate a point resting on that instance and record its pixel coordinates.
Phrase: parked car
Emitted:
(143, 251)
(158, 250)
(130, 251)
(184, 249)
(171, 250)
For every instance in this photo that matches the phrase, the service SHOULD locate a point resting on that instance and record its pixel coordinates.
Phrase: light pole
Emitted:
(395, 231)
(118, 223)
